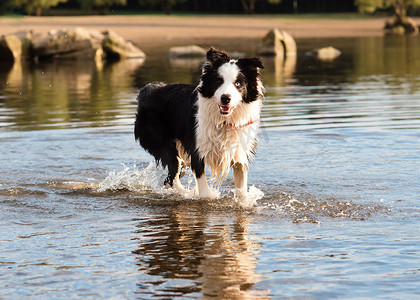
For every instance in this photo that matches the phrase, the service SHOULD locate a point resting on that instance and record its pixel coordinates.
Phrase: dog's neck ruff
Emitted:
(240, 126)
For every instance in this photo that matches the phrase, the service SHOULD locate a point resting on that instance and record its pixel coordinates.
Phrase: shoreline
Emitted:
(152, 29)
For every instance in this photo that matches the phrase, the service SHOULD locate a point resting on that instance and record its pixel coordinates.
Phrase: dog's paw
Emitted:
(245, 198)
(208, 193)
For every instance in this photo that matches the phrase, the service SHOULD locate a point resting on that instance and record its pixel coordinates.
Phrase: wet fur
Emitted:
(182, 125)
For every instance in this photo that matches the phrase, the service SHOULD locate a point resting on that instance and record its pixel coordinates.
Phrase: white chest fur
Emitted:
(223, 141)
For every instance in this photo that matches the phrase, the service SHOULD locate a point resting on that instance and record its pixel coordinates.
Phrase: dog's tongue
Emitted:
(225, 109)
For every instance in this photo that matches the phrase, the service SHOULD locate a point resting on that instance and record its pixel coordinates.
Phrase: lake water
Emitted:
(335, 183)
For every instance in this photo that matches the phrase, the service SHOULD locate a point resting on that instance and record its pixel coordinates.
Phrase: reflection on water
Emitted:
(64, 94)
(335, 180)
(374, 83)
(186, 252)
(280, 70)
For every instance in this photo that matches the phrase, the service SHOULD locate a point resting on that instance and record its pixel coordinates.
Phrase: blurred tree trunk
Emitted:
(38, 11)
(103, 10)
(400, 7)
(249, 6)
(400, 19)
(167, 6)
(195, 5)
(2, 7)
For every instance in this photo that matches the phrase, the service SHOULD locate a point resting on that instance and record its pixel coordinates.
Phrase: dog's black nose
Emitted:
(225, 99)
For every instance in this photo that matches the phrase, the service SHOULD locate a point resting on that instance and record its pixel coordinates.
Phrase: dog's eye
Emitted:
(219, 80)
(238, 84)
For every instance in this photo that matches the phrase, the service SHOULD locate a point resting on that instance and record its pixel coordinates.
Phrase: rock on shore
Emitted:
(190, 51)
(69, 44)
(76, 43)
(325, 54)
(277, 43)
(16, 46)
(115, 47)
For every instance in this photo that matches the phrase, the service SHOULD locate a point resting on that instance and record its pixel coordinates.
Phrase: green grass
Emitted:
(12, 16)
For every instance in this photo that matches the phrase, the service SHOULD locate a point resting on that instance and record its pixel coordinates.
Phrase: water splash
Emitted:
(150, 180)
(247, 199)
(131, 179)
(309, 209)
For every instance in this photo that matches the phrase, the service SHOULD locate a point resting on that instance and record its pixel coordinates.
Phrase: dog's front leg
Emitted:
(240, 177)
(198, 168)
(203, 187)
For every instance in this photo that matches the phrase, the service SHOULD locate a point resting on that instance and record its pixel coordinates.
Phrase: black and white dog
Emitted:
(215, 123)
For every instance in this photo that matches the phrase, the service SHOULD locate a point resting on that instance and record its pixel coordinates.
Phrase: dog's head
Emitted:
(230, 82)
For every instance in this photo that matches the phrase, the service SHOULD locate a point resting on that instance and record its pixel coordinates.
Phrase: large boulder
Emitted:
(325, 54)
(277, 42)
(16, 46)
(73, 43)
(116, 47)
(27, 38)
(10, 48)
(191, 51)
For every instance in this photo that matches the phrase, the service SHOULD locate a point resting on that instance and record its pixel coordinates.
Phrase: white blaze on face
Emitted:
(229, 73)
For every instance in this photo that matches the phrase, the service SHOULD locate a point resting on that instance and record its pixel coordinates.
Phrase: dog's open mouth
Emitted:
(226, 109)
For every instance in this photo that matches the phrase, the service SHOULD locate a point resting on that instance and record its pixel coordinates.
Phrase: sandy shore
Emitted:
(146, 29)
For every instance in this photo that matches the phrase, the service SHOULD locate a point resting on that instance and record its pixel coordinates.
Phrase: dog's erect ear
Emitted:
(217, 56)
(252, 62)
(251, 68)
